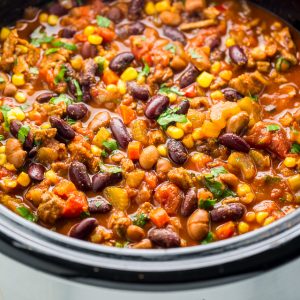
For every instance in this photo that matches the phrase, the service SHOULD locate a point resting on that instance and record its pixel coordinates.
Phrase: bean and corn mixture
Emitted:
(149, 124)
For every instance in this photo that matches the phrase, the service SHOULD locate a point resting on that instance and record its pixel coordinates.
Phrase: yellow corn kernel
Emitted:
(162, 6)
(23, 179)
(174, 132)
(243, 227)
(261, 216)
(290, 162)
(198, 134)
(52, 20)
(15, 113)
(205, 79)
(162, 150)
(188, 141)
(226, 75)
(43, 18)
(96, 150)
(20, 97)
(243, 189)
(112, 88)
(250, 216)
(10, 183)
(10, 167)
(2, 149)
(22, 49)
(129, 74)
(52, 177)
(217, 95)
(187, 127)
(172, 97)
(2, 159)
(18, 79)
(76, 62)
(46, 125)
(102, 135)
(141, 80)
(230, 42)
(294, 182)
(122, 87)
(268, 220)
(248, 198)
(215, 67)
(150, 8)
(88, 30)
(4, 33)
(95, 39)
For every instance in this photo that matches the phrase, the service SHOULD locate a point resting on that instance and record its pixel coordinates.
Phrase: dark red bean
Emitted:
(79, 176)
(33, 152)
(120, 62)
(57, 9)
(67, 33)
(88, 50)
(29, 142)
(130, 29)
(88, 72)
(45, 97)
(115, 14)
(86, 93)
(36, 171)
(189, 77)
(177, 152)
(190, 203)
(228, 212)
(156, 106)
(77, 111)
(238, 55)
(234, 142)
(64, 130)
(120, 132)
(174, 34)
(183, 107)
(83, 229)
(14, 127)
(213, 41)
(102, 180)
(99, 205)
(138, 92)
(164, 238)
(135, 9)
(231, 94)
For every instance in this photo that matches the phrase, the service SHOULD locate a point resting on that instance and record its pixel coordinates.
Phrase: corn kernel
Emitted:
(198, 134)
(9, 183)
(76, 62)
(226, 75)
(88, 30)
(294, 182)
(52, 177)
(22, 49)
(172, 97)
(20, 97)
(102, 135)
(250, 216)
(15, 113)
(217, 95)
(162, 6)
(43, 18)
(95, 39)
(96, 150)
(162, 150)
(23, 179)
(122, 87)
(261, 216)
(248, 198)
(112, 88)
(52, 20)
(188, 141)
(141, 80)
(205, 79)
(150, 8)
(268, 220)
(230, 42)
(290, 162)
(46, 125)
(10, 167)
(4, 33)
(18, 79)
(186, 127)
(215, 67)
(2, 149)
(175, 133)
(243, 227)
(2, 159)
(129, 74)
(243, 189)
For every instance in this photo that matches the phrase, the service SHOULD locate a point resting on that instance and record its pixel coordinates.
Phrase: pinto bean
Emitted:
(36, 171)
(149, 157)
(174, 34)
(183, 107)
(238, 123)
(120, 62)
(228, 212)
(83, 229)
(14, 152)
(64, 130)
(156, 106)
(135, 233)
(170, 18)
(189, 77)
(143, 244)
(120, 132)
(138, 92)
(231, 94)
(101, 119)
(9, 90)
(79, 176)
(45, 97)
(99, 205)
(77, 111)
(198, 225)
(238, 55)
(234, 142)
(103, 180)
(135, 9)
(88, 50)
(164, 238)
(190, 203)
(177, 152)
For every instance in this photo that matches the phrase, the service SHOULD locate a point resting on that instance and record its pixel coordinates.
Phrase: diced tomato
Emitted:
(110, 77)
(80, 37)
(225, 230)
(47, 75)
(127, 113)
(75, 205)
(64, 188)
(107, 34)
(159, 217)
(221, 7)
(190, 91)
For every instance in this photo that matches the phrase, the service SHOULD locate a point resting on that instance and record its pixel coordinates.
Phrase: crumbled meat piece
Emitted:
(181, 178)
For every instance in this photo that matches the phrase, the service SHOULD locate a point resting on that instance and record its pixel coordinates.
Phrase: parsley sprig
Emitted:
(170, 116)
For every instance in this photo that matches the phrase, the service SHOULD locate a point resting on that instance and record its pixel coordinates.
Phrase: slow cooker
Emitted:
(36, 263)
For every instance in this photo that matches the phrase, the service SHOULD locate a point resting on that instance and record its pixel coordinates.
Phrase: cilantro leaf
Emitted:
(110, 144)
(61, 98)
(61, 75)
(104, 154)
(217, 188)
(208, 239)
(170, 116)
(1, 137)
(140, 220)
(2, 80)
(23, 133)
(68, 46)
(4, 110)
(218, 170)
(145, 71)
(70, 121)
(271, 179)
(282, 64)
(253, 97)
(26, 214)
(38, 37)
(110, 169)
(295, 148)
(51, 51)
(207, 204)
(78, 92)
(100, 62)
(167, 90)
(171, 47)
(273, 127)
(103, 22)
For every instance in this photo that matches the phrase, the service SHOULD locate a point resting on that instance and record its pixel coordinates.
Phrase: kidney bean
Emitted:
(64, 130)
(228, 212)
(120, 132)
(36, 171)
(238, 123)
(83, 229)
(102, 180)
(57, 9)
(130, 29)
(183, 107)
(238, 55)
(32, 153)
(79, 176)
(198, 225)
(138, 92)
(67, 33)
(29, 142)
(86, 93)
(88, 72)
(190, 203)
(135, 9)
(177, 152)
(189, 77)
(174, 34)
(164, 238)
(88, 50)
(14, 127)
(234, 142)
(156, 106)
(121, 61)
(99, 205)
(45, 97)
(115, 14)
(213, 41)
(231, 94)
(77, 111)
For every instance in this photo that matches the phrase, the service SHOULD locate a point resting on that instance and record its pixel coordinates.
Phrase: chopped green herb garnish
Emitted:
(68, 46)
(194, 54)
(26, 214)
(295, 148)
(273, 127)
(209, 238)
(23, 133)
(110, 169)
(167, 90)
(145, 71)
(51, 51)
(61, 75)
(272, 179)
(207, 204)
(140, 220)
(38, 37)
(61, 98)
(218, 170)
(100, 62)
(170, 116)
(2, 80)
(70, 121)
(171, 47)
(217, 188)
(104, 154)
(253, 97)
(110, 144)
(85, 214)
(34, 70)
(1, 137)
(103, 22)
(121, 244)
(78, 92)
(282, 64)
(4, 110)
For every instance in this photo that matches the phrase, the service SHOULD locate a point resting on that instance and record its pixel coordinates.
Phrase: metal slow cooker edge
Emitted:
(234, 259)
